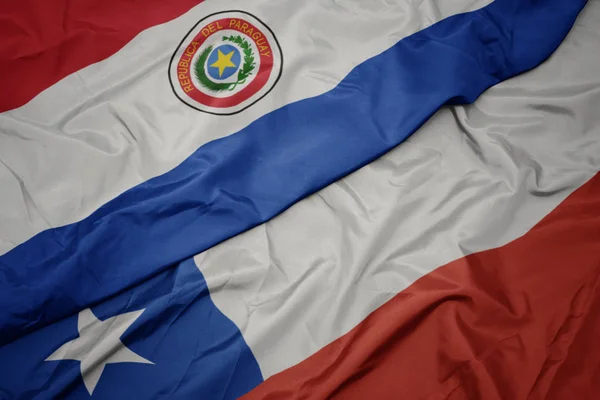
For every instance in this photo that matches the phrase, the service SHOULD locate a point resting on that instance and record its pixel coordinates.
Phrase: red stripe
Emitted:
(43, 41)
(520, 321)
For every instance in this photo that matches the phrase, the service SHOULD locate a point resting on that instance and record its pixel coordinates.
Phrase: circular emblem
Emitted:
(227, 62)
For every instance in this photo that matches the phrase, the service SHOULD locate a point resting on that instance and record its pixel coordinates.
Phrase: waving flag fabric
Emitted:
(132, 149)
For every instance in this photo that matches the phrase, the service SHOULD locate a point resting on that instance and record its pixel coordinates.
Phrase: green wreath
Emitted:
(243, 73)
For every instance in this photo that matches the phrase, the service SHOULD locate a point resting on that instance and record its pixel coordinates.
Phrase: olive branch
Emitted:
(249, 64)
(243, 73)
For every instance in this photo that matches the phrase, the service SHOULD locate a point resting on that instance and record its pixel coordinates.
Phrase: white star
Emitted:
(99, 343)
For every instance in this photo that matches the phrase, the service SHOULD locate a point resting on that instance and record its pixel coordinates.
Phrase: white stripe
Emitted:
(115, 124)
(473, 178)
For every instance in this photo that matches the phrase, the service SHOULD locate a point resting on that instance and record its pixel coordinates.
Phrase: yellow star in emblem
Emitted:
(223, 61)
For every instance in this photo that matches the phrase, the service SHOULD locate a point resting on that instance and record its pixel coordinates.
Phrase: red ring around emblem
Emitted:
(262, 76)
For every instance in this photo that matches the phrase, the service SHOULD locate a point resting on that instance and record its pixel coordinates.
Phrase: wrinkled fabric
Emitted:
(497, 324)
(45, 41)
(115, 124)
(234, 183)
(473, 178)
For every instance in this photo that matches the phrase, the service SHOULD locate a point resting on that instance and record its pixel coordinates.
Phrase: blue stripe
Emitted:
(238, 182)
